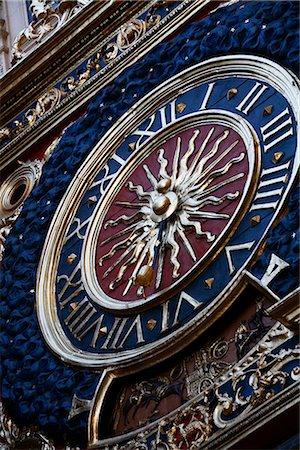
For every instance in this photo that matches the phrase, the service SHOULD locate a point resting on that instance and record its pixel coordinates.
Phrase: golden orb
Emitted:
(161, 205)
(144, 276)
(163, 185)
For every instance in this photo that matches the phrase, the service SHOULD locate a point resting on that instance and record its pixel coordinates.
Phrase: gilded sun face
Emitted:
(173, 207)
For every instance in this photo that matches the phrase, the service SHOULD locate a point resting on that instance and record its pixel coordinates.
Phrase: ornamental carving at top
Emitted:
(46, 19)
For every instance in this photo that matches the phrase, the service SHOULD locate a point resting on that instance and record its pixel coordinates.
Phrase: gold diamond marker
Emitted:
(92, 201)
(209, 282)
(151, 324)
(73, 306)
(181, 107)
(231, 93)
(103, 331)
(277, 157)
(255, 220)
(268, 110)
(71, 258)
(132, 146)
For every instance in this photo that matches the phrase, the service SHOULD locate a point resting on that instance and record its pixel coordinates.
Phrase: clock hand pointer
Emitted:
(145, 275)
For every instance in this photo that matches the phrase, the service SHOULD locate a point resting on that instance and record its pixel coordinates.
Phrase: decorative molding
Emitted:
(16, 188)
(76, 92)
(47, 20)
(287, 310)
(255, 382)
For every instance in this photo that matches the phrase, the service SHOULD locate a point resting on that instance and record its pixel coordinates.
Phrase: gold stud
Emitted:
(71, 258)
(161, 205)
(73, 306)
(103, 331)
(163, 185)
(92, 201)
(132, 146)
(277, 157)
(255, 220)
(180, 107)
(151, 324)
(209, 282)
(231, 93)
(144, 276)
(268, 110)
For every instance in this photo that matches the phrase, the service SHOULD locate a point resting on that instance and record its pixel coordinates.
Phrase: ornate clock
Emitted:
(150, 242)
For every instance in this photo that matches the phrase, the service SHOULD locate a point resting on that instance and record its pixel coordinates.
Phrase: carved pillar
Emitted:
(4, 58)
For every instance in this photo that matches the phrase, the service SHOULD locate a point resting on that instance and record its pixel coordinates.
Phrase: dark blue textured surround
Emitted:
(37, 388)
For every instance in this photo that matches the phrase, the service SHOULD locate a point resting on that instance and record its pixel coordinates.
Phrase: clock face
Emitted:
(174, 208)
(166, 212)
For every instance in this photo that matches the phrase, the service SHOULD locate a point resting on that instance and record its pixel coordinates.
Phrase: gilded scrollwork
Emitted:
(191, 428)
(44, 104)
(263, 381)
(47, 20)
(269, 368)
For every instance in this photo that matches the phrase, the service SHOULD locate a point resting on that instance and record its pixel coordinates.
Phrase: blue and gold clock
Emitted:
(150, 243)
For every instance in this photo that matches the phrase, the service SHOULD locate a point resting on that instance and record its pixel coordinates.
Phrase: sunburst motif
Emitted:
(163, 215)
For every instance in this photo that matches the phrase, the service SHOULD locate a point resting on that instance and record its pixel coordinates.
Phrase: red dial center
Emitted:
(170, 211)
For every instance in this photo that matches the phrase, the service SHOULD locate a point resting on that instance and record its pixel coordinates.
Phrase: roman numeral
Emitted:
(80, 315)
(261, 200)
(79, 226)
(115, 333)
(251, 98)
(229, 249)
(70, 282)
(108, 175)
(275, 126)
(98, 332)
(164, 119)
(276, 265)
(207, 96)
(184, 297)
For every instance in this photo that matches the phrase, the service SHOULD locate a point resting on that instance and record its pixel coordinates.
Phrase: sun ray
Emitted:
(175, 163)
(161, 257)
(183, 168)
(170, 240)
(163, 164)
(185, 221)
(118, 246)
(221, 184)
(124, 219)
(150, 176)
(206, 214)
(131, 228)
(198, 155)
(198, 170)
(219, 172)
(132, 205)
(120, 259)
(130, 261)
(211, 200)
(140, 191)
(208, 170)
(140, 262)
(186, 242)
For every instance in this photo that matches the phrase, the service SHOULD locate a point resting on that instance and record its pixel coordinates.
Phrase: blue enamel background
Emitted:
(37, 388)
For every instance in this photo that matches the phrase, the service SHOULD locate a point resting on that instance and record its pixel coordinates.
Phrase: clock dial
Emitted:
(169, 213)
(166, 213)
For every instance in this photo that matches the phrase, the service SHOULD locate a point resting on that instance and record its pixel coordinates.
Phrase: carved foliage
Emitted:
(50, 20)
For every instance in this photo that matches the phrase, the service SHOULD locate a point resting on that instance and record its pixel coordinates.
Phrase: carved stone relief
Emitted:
(145, 401)
(15, 189)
